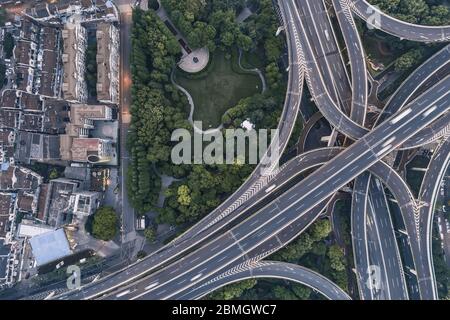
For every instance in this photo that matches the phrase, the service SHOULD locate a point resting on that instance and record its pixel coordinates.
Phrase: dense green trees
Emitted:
(105, 224)
(291, 291)
(91, 69)
(337, 258)
(425, 12)
(208, 23)
(150, 234)
(8, 45)
(202, 190)
(304, 243)
(234, 290)
(262, 29)
(54, 174)
(154, 116)
(416, 11)
(441, 269)
(158, 107)
(408, 60)
(2, 74)
(213, 24)
(309, 246)
(3, 16)
(273, 75)
(310, 250)
(260, 109)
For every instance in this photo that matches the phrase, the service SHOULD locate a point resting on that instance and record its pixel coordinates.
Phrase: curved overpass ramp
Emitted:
(428, 194)
(275, 270)
(414, 82)
(396, 27)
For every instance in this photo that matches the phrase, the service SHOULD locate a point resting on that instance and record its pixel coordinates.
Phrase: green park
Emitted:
(218, 88)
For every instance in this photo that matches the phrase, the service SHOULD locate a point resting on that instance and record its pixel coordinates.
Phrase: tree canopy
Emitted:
(416, 11)
(158, 107)
(105, 224)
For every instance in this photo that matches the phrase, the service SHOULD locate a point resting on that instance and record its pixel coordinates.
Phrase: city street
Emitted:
(350, 165)
(131, 241)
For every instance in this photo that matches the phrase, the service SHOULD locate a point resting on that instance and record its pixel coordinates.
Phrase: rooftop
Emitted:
(60, 191)
(31, 102)
(31, 122)
(9, 118)
(7, 137)
(26, 201)
(28, 29)
(57, 115)
(10, 99)
(79, 113)
(16, 178)
(49, 38)
(24, 77)
(50, 246)
(29, 229)
(42, 201)
(48, 73)
(25, 52)
(107, 83)
(6, 208)
(83, 147)
(70, 59)
(37, 146)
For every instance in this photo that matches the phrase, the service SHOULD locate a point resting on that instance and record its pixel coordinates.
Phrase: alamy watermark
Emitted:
(227, 147)
(373, 281)
(74, 280)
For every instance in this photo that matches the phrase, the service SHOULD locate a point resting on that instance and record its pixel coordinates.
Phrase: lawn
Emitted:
(219, 89)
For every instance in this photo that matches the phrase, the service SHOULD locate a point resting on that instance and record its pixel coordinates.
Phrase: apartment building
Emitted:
(107, 63)
(74, 85)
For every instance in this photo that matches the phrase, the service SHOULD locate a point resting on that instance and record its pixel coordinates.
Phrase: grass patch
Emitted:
(219, 89)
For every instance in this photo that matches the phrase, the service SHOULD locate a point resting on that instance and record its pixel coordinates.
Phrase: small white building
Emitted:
(247, 125)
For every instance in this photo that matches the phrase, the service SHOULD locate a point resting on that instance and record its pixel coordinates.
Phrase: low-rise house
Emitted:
(30, 229)
(9, 118)
(7, 215)
(24, 78)
(28, 29)
(18, 178)
(7, 137)
(25, 53)
(76, 145)
(10, 99)
(107, 63)
(85, 203)
(87, 150)
(74, 85)
(56, 212)
(27, 201)
(30, 102)
(37, 146)
(66, 198)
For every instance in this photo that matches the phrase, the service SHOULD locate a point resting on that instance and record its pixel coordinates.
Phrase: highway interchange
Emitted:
(276, 204)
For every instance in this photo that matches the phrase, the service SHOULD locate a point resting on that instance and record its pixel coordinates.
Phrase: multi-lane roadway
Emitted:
(274, 205)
